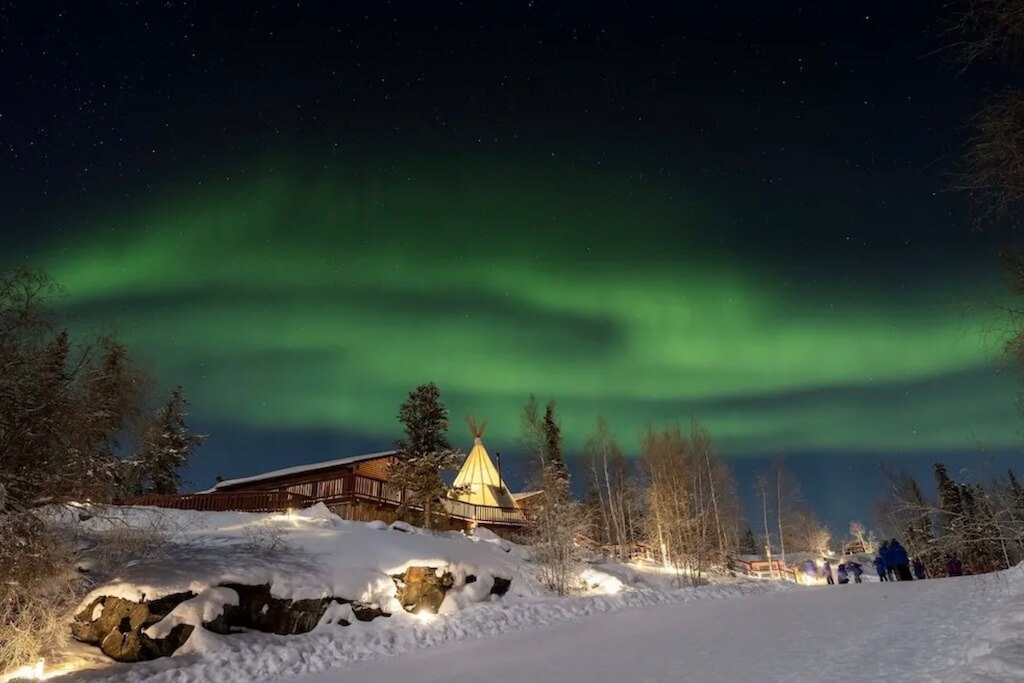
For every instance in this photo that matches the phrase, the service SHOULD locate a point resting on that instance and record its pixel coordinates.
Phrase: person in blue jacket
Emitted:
(880, 568)
(890, 568)
(856, 570)
(919, 572)
(900, 561)
(953, 566)
(827, 570)
(841, 577)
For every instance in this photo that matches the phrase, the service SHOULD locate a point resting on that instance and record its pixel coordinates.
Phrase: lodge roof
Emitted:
(301, 469)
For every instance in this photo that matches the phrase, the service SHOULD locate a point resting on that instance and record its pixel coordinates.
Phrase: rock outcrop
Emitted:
(422, 589)
(259, 610)
(117, 627)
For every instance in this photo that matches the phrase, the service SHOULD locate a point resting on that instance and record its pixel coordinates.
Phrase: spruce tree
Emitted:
(553, 441)
(425, 454)
(553, 529)
(950, 501)
(748, 545)
(1016, 495)
(168, 446)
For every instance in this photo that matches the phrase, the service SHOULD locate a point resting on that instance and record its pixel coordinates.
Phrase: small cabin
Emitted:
(355, 487)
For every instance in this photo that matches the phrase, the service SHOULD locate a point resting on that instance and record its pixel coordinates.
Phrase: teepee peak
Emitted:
(477, 429)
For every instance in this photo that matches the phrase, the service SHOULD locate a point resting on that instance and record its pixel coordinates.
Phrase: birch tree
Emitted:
(609, 481)
(693, 511)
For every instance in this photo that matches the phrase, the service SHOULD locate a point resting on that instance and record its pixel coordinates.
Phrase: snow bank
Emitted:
(260, 656)
(996, 650)
(313, 554)
(307, 554)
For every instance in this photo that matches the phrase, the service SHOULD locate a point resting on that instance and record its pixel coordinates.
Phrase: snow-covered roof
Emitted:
(299, 469)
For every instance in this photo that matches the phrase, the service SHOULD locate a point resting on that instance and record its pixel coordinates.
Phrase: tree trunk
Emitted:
(714, 504)
(611, 505)
(778, 509)
(767, 534)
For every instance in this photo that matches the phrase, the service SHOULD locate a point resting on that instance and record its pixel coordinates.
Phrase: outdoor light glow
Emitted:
(425, 616)
(37, 672)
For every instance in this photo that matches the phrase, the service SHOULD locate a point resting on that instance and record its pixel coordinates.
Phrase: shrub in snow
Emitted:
(265, 537)
(38, 586)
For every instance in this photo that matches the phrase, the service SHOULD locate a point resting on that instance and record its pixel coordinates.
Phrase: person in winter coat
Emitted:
(880, 568)
(841, 574)
(953, 566)
(827, 569)
(856, 570)
(919, 569)
(810, 569)
(900, 561)
(887, 556)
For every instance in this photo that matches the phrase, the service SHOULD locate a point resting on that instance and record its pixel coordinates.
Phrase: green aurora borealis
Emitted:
(288, 299)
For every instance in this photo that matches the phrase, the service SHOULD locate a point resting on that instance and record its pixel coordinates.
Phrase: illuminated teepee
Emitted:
(479, 479)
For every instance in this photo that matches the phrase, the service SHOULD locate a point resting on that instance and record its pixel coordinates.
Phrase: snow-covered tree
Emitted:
(862, 535)
(425, 454)
(168, 445)
(681, 498)
(609, 483)
(64, 409)
(559, 519)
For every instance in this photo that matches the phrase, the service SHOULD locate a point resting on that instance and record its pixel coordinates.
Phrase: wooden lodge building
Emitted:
(358, 488)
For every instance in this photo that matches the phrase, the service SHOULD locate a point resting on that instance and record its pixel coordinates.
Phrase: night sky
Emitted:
(734, 211)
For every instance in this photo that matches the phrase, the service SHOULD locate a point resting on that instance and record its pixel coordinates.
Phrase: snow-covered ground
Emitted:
(634, 625)
(937, 630)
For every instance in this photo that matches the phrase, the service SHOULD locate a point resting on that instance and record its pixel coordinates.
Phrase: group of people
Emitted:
(844, 571)
(892, 564)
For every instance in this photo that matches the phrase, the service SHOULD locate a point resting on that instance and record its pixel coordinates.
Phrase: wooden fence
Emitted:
(763, 569)
(241, 501)
(346, 488)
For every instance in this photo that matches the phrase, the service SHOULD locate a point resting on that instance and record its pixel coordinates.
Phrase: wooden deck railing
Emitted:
(764, 570)
(241, 501)
(344, 489)
(375, 490)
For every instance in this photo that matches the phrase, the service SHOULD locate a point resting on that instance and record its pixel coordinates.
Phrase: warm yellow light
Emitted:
(35, 672)
(425, 617)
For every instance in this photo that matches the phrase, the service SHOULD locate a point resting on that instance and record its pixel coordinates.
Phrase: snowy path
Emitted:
(905, 631)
